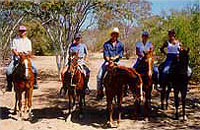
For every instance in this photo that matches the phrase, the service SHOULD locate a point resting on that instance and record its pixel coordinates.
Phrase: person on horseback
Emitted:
(81, 49)
(20, 45)
(142, 47)
(173, 46)
(113, 52)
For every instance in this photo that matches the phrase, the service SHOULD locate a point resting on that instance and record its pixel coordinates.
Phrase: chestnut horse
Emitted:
(178, 80)
(145, 69)
(23, 79)
(73, 82)
(115, 80)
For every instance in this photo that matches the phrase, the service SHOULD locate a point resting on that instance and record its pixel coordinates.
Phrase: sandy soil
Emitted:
(49, 109)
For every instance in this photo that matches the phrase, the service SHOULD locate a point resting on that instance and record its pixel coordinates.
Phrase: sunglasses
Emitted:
(77, 38)
(22, 30)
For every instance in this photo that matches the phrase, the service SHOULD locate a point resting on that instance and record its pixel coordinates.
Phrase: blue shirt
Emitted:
(112, 51)
(81, 49)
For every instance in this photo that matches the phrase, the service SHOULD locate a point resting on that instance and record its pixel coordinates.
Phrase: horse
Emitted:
(145, 69)
(178, 80)
(23, 79)
(73, 83)
(114, 82)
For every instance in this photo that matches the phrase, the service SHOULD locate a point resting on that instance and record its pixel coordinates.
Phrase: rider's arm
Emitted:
(138, 52)
(15, 52)
(106, 53)
(165, 44)
(14, 47)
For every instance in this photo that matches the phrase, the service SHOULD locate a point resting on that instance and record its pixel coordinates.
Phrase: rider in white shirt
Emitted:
(20, 44)
(143, 47)
(173, 46)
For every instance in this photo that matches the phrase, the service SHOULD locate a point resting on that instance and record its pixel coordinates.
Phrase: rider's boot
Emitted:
(9, 83)
(35, 85)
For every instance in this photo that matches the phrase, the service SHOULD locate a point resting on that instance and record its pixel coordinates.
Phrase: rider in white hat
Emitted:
(113, 51)
(20, 44)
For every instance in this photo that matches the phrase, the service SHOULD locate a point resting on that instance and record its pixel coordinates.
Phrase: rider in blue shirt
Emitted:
(113, 51)
(81, 49)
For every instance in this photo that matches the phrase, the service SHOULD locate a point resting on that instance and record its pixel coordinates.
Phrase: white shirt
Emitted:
(173, 48)
(21, 44)
(144, 48)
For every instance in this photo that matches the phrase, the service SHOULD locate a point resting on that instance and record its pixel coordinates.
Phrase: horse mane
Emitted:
(130, 72)
(19, 72)
(180, 64)
(147, 60)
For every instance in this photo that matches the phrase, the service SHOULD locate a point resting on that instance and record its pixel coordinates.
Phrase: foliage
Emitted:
(41, 44)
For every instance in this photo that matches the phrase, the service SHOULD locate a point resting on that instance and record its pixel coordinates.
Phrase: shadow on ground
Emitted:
(95, 113)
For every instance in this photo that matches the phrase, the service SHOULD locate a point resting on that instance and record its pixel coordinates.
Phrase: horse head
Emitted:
(146, 64)
(72, 66)
(24, 66)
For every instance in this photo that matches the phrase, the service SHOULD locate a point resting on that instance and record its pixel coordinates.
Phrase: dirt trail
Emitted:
(49, 109)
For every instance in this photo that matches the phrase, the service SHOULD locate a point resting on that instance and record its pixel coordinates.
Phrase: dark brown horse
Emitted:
(178, 80)
(23, 79)
(145, 69)
(115, 80)
(74, 83)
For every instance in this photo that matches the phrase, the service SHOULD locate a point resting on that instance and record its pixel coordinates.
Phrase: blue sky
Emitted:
(166, 5)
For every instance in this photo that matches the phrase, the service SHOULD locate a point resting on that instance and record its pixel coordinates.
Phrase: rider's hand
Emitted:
(110, 61)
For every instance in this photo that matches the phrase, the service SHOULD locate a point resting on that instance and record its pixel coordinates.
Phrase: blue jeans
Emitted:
(101, 74)
(137, 63)
(168, 62)
(12, 67)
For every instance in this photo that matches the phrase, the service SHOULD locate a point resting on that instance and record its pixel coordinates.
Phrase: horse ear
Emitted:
(188, 49)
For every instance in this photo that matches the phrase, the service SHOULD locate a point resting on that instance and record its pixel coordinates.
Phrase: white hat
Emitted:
(115, 30)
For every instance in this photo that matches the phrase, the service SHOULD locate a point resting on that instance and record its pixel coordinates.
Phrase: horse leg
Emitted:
(30, 95)
(26, 102)
(176, 102)
(81, 105)
(167, 95)
(183, 97)
(110, 109)
(119, 102)
(69, 112)
(16, 99)
(162, 95)
(146, 104)
(20, 104)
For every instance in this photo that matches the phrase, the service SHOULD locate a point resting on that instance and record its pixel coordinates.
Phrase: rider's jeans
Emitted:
(11, 67)
(135, 66)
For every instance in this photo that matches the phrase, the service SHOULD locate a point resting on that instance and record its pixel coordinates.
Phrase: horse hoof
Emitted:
(74, 108)
(146, 119)
(118, 124)
(81, 116)
(111, 125)
(19, 118)
(68, 119)
(14, 113)
(185, 118)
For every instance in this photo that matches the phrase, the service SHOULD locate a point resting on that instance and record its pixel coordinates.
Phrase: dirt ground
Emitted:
(49, 109)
